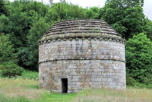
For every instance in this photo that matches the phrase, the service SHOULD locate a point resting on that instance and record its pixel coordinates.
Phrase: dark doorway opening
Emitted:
(64, 85)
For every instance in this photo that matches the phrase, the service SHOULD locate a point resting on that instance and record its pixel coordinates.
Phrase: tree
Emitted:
(29, 55)
(139, 58)
(127, 20)
(7, 51)
(22, 16)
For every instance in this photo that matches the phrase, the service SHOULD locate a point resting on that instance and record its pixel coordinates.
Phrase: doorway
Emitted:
(64, 82)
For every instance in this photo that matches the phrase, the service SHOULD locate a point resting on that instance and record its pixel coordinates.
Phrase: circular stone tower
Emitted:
(78, 54)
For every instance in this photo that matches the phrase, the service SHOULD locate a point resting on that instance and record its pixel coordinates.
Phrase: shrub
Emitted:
(131, 81)
(10, 69)
(27, 74)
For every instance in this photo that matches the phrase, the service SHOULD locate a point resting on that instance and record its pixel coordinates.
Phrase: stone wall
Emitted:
(87, 63)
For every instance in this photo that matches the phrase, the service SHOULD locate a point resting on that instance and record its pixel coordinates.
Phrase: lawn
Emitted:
(26, 89)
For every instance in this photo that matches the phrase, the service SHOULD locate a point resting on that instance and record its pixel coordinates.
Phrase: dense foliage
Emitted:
(125, 16)
(7, 50)
(22, 24)
(10, 69)
(139, 58)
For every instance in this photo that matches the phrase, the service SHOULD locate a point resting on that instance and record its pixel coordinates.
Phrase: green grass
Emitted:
(56, 97)
(96, 95)
(46, 97)
(25, 88)
(13, 99)
(29, 75)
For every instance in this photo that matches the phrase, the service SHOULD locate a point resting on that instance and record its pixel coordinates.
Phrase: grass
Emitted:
(26, 75)
(56, 97)
(29, 75)
(25, 89)
(105, 95)
(12, 99)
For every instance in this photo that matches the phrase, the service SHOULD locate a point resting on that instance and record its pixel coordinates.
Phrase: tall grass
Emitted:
(56, 97)
(107, 95)
(26, 89)
(13, 99)
(19, 87)
(29, 75)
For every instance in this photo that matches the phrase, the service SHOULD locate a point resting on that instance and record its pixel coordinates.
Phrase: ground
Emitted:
(26, 89)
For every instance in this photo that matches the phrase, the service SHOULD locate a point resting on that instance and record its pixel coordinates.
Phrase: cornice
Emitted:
(81, 36)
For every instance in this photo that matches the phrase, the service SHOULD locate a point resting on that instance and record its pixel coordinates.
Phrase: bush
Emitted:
(131, 81)
(10, 69)
(27, 74)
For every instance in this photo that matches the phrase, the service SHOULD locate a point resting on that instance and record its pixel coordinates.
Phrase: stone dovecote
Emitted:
(79, 54)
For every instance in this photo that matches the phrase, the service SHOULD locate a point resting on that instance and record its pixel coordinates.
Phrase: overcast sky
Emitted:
(100, 3)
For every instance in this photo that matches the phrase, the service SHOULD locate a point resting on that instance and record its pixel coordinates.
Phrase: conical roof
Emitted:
(73, 29)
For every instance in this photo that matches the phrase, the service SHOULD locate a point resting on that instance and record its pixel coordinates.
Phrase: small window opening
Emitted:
(64, 85)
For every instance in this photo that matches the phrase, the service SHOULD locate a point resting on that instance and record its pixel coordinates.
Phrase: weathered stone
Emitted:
(89, 53)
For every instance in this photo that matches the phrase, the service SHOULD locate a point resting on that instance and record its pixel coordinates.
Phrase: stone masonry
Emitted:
(87, 53)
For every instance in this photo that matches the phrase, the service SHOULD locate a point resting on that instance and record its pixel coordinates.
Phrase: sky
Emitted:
(100, 3)
(148, 8)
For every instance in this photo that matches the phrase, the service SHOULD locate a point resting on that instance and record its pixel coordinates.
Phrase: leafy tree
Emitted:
(127, 20)
(35, 33)
(139, 58)
(22, 16)
(7, 51)
(20, 25)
